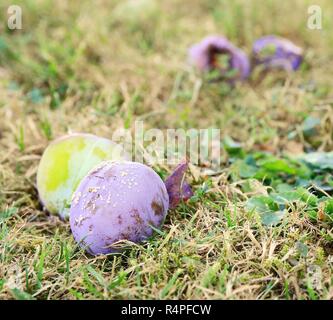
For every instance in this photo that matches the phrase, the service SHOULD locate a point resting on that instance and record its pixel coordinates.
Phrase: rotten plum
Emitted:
(117, 201)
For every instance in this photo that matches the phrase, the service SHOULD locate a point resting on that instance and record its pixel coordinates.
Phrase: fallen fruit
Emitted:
(217, 53)
(117, 201)
(275, 52)
(65, 162)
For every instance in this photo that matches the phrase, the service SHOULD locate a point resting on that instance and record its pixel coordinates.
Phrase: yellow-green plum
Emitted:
(65, 162)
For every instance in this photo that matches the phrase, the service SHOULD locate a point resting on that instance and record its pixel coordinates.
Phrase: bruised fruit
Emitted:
(219, 54)
(275, 52)
(65, 162)
(117, 201)
(123, 201)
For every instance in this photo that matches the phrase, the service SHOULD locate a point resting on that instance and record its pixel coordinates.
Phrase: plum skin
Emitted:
(117, 201)
(65, 162)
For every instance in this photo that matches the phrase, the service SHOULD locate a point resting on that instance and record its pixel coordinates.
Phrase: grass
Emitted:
(85, 66)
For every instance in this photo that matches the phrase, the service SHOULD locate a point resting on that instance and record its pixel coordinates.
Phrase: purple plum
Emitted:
(117, 201)
(275, 52)
(218, 53)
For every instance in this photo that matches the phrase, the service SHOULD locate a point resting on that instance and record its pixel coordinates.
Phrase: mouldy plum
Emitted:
(206, 56)
(65, 162)
(275, 52)
(117, 201)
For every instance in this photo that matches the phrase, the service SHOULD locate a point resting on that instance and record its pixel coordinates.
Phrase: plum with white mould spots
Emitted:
(122, 201)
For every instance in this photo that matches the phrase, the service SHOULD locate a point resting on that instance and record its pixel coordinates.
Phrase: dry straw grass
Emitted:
(117, 70)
